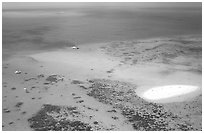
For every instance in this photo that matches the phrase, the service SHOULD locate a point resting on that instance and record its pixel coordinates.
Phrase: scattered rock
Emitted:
(33, 87)
(26, 90)
(10, 123)
(77, 97)
(143, 115)
(41, 76)
(81, 101)
(115, 118)
(54, 78)
(77, 82)
(6, 110)
(13, 88)
(19, 104)
(112, 111)
(110, 71)
(24, 112)
(57, 118)
(82, 86)
(95, 122)
(30, 79)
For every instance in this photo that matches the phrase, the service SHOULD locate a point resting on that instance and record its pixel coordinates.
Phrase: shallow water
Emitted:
(43, 29)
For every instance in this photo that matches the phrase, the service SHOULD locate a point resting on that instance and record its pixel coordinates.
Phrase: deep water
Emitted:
(43, 29)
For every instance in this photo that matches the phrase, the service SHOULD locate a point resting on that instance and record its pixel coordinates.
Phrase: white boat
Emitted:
(75, 47)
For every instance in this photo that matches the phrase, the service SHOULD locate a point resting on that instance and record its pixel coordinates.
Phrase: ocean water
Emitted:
(51, 28)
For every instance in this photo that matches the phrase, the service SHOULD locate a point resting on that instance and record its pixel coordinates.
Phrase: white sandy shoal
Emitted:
(160, 93)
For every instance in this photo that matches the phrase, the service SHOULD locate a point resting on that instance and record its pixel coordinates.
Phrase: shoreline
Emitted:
(102, 61)
(28, 52)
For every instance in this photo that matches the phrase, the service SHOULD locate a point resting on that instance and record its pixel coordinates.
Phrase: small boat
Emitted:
(75, 47)
(17, 72)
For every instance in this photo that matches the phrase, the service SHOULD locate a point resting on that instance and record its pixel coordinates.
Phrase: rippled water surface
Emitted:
(47, 28)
